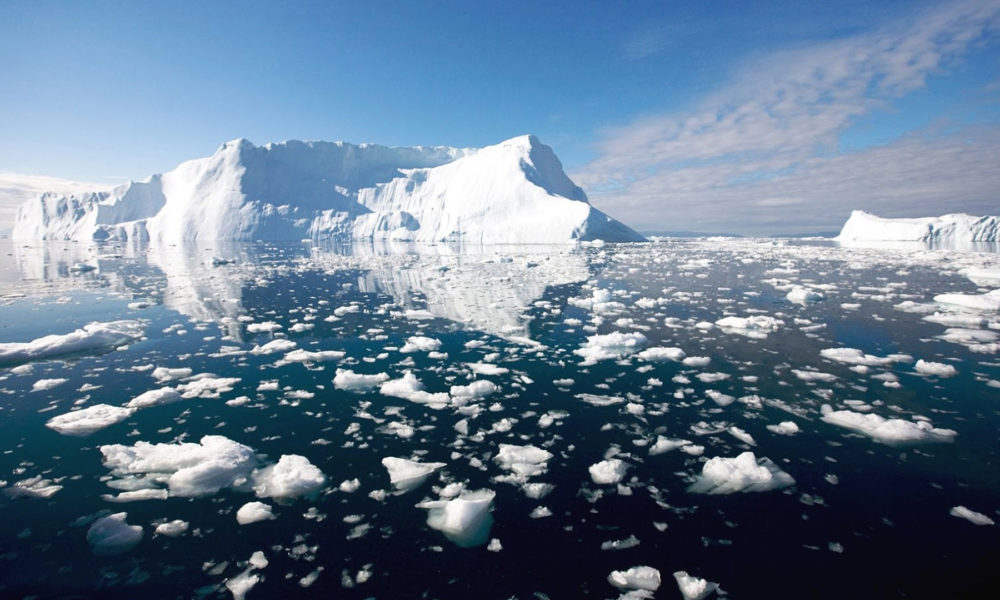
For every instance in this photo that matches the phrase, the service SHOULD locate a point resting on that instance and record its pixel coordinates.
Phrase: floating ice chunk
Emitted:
(622, 544)
(252, 512)
(111, 535)
(207, 385)
(187, 469)
(664, 444)
(137, 495)
(609, 346)
(744, 473)
(420, 343)
(660, 353)
(265, 327)
(172, 528)
(274, 346)
(988, 302)
(32, 487)
(357, 382)
(156, 397)
(784, 428)
(720, 398)
(406, 474)
(742, 436)
(977, 340)
(474, 391)
(976, 518)
(810, 376)
(241, 584)
(608, 471)
(540, 512)
(47, 384)
(410, 388)
(599, 400)
(909, 306)
(636, 578)
(696, 361)
(887, 431)
(88, 420)
(694, 588)
(465, 520)
(164, 374)
(853, 356)
(306, 356)
(804, 296)
(981, 276)
(93, 337)
(934, 368)
(293, 476)
(522, 461)
(756, 326)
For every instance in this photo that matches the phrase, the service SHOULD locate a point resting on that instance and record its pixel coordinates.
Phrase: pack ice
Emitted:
(513, 192)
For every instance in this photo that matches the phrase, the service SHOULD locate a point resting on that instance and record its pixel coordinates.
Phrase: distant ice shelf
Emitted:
(513, 192)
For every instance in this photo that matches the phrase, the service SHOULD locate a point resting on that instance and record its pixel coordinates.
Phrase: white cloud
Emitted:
(760, 155)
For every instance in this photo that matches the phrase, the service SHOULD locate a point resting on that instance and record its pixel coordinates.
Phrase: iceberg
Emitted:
(512, 192)
(958, 228)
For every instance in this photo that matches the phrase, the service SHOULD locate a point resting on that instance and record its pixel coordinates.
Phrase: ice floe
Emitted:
(405, 474)
(608, 471)
(111, 535)
(887, 431)
(694, 588)
(88, 420)
(93, 337)
(253, 512)
(636, 578)
(744, 473)
(465, 520)
(755, 326)
(293, 476)
(186, 469)
(976, 518)
(610, 346)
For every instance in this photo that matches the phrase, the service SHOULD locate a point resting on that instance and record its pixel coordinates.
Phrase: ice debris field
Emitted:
(678, 419)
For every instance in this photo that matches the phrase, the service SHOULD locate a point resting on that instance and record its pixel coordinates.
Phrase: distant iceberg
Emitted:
(956, 228)
(513, 192)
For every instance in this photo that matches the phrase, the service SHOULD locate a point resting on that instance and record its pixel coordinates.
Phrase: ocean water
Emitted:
(563, 336)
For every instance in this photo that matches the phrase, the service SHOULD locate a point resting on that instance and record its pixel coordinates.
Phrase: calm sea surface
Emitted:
(563, 334)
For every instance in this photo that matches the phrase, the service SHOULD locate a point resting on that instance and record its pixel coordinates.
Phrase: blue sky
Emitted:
(753, 117)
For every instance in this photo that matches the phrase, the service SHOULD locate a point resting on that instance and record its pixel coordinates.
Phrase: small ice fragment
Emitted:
(252, 512)
(976, 518)
(111, 535)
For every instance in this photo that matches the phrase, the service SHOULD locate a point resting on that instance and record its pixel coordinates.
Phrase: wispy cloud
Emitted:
(763, 149)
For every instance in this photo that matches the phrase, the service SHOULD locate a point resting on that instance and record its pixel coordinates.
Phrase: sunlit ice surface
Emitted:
(293, 420)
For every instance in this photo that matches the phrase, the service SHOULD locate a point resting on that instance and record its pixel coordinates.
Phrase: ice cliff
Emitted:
(513, 192)
(952, 228)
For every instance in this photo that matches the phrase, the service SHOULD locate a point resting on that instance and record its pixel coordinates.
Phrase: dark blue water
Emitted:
(863, 520)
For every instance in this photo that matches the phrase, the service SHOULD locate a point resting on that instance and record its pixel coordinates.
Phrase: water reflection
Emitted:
(486, 288)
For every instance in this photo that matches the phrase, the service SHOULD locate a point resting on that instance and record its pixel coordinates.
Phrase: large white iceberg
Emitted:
(951, 228)
(513, 192)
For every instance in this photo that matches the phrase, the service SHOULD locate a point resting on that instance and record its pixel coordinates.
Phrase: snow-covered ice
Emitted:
(407, 474)
(465, 520)
(887, 431)
(744, 473)
(93, 337)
